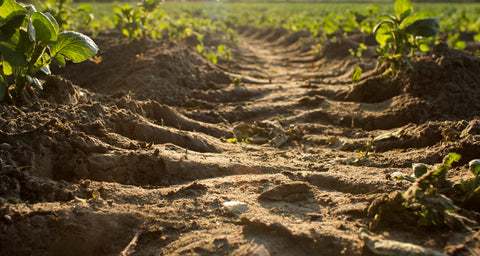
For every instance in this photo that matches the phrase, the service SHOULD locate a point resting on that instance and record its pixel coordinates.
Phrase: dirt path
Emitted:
(138, 159)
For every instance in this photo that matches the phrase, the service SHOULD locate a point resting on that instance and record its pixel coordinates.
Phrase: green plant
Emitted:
(401, 35)
(357, 73)
(64, 14)
(359, 51)
(368, 149)
(471, 188)
(422, 203)
(423, 198)
(135, 22)
(29, 41)
(236, 80)
(224, 52)
(455, 42)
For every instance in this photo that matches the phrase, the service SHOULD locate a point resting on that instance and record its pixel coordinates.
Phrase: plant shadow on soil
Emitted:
(130, 155)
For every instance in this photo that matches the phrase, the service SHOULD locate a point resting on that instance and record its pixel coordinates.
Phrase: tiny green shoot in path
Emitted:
(30, 41)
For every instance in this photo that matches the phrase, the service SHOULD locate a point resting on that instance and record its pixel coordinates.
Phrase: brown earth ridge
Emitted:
(135, 154)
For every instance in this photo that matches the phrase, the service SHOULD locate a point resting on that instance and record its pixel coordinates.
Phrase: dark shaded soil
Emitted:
(134, 154)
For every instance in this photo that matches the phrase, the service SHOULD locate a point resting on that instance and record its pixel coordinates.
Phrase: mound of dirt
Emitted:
(164, 71)
(447, 83)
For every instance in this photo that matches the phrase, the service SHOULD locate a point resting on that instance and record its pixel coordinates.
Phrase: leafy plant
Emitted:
(127, 20)
(455, 42)
(401, 35)
(368, 149)
(471, 188)
(64, 14)
(357, 73)
(135, 22)
(29, 41)
(359, 51)
(224, 52)
(422, 203)
(423, 198)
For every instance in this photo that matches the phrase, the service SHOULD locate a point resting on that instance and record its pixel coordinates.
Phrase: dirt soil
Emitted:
(134, 153)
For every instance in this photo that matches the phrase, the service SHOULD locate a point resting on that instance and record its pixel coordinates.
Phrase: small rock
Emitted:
(290, 192)
(8, 219)
(236, 207)
(474, 164)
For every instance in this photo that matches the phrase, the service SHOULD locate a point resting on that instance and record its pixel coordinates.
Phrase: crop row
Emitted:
(179, 20)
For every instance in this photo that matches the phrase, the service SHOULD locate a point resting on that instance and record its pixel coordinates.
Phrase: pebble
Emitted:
(474, 163)
(8, 219)
(236, 207)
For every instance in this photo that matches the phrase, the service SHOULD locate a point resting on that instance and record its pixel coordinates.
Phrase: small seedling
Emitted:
(359, 51)
(236, 80)
(368, 149)
(357, 73)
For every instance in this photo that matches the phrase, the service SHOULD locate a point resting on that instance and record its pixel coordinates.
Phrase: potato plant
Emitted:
(135, 22)
(402, 35)
(471, 188)
(30, 41)
(65, 15)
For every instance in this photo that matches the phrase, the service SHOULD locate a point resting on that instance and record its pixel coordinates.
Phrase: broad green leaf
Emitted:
(6, 67)
(74, 46)
(53, 21)
(11, 8)
(459, 45)
(383, 23)
(424, 27)
(452, 157)
(15, 58)
(416, 16)
(383, 35)
(424, 45)
(44, 28)
(10, 25)
(403, 8)
(22, 42)
(117, 9)
(476, 38)
(88, 15)
(60, 60)
(357, 73)
(3, 90)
